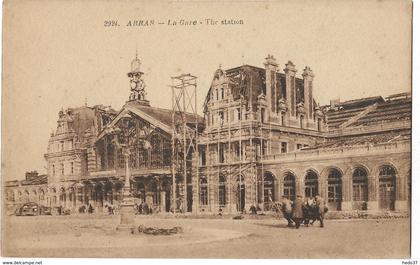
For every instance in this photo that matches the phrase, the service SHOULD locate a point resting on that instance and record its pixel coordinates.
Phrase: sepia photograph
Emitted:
(206, 129)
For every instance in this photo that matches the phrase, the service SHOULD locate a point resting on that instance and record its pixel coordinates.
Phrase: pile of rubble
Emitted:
(160, 231)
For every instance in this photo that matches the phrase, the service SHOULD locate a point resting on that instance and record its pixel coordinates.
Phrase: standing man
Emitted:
(322, 209)
(297, 214)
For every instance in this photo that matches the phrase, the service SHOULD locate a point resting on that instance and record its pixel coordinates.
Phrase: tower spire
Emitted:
(137, 83)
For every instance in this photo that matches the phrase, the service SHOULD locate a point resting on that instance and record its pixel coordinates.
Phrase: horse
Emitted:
(285, 207)
(314, 210)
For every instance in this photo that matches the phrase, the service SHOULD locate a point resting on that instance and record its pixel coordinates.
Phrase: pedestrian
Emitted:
(297, 212)
(322, 209)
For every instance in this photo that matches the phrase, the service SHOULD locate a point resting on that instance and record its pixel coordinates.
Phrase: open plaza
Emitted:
(211, 237)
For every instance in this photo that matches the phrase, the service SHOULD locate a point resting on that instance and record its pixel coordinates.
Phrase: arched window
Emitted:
(289, 189)
(222, 191)
(387, 187)
(311, 184)
(269, 193)
(335, 193)
(360, 185)
(203, 191)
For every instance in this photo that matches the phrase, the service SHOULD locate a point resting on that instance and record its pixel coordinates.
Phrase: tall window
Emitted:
(239, 113)
(203, 192)
(72, 168)
(283, 118)
(301, 121)
(62, 169)
(289, 186)
(203, 157)
(283, 147)
(335, 194)
(262, 114)
(221, 117)
(217, 94)
(311, 184)
(222, 190)
(237, 150)
(319, 124)
(53, 170)
(221, 153)
(360, 185)
(222, 92)
(61, 145)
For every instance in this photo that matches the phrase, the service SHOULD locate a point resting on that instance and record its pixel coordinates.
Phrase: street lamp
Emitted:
(122, 139)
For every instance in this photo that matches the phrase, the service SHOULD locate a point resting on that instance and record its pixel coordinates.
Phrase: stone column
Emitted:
(401, 193)
(347, 189)
(373, 185)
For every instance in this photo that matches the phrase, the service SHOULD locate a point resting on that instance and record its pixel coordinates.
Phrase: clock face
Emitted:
(133, 84)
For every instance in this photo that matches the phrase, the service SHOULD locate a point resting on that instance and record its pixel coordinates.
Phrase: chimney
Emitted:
(290, 73)
(270, 83)
(308, 78)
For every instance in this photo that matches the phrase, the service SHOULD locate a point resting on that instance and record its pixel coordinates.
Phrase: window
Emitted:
(71, 144)
(289, 186)
(203, 191)
(238, 111)
(360, 185)
(222, 190)
(212, 119)
(221, 153)
(222, 92)
(262, 114)
(217, 94)
(62, 169)
(283, 119)
(61, 145)
(319, 124)
(301, 121)
(221, 117)
(237, 150)
(283, 147)
(72, 168)
(203, 157)
(53, 170)
(299, 146)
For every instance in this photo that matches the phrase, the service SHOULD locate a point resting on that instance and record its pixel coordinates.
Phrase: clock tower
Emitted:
(137, 84)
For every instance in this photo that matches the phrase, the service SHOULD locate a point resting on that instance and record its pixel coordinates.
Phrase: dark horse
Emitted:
(314, 210)
(285, 207)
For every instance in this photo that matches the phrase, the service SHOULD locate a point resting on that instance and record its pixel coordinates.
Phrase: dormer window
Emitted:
(217, 94)
(222, 93)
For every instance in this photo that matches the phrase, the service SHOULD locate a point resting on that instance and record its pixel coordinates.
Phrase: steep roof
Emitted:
(159, 117)
(164, 115)
(249, 82)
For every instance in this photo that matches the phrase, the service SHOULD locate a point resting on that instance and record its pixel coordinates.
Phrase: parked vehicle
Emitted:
(32, 209)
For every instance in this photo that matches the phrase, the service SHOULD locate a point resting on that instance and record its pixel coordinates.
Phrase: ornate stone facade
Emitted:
(263, 136)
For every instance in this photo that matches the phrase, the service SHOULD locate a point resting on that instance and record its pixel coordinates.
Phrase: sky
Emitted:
(58, 54)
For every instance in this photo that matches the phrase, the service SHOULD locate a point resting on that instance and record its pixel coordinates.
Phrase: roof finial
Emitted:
(85, 101)
(220, 66)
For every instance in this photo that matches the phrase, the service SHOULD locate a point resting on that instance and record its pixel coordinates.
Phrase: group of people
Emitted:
(301, 211)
